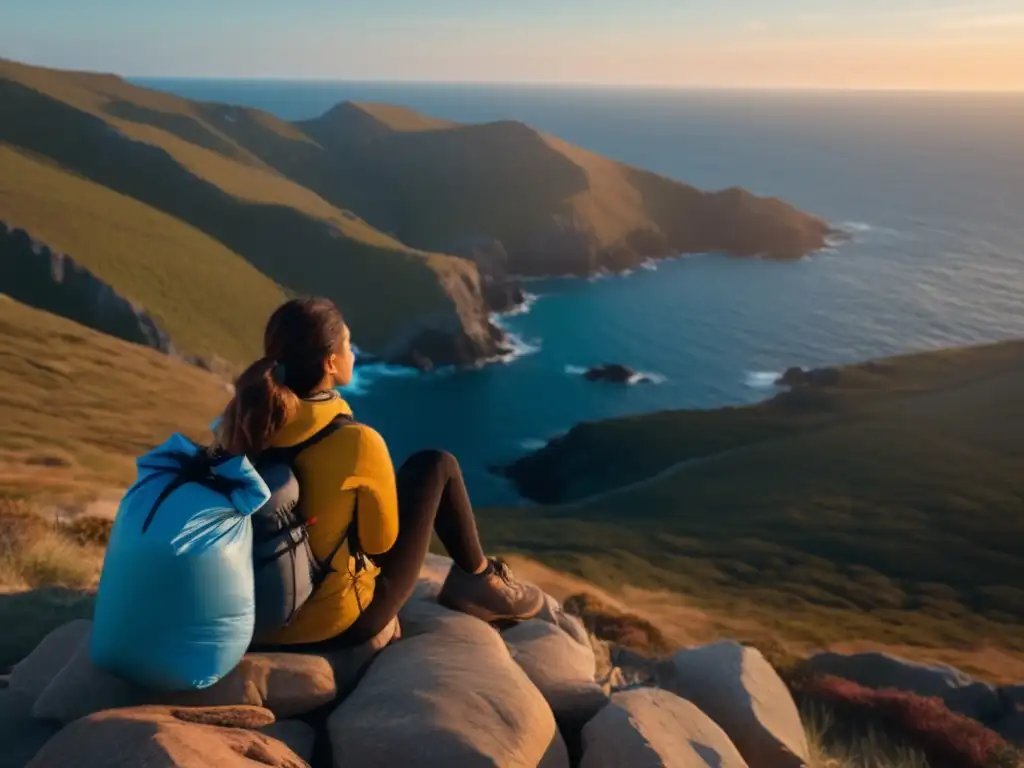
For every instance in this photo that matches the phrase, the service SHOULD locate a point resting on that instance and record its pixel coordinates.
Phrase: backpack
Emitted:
(174, 610)
(286, 572)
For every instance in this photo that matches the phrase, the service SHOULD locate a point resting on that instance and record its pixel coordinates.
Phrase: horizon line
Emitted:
(582, 84)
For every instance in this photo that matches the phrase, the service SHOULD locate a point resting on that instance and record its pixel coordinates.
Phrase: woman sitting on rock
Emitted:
(286, 398)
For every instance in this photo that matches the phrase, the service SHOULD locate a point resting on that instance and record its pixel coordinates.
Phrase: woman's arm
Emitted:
(373, 479)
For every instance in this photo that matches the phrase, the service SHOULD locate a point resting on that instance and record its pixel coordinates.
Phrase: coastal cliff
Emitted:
(415, 226)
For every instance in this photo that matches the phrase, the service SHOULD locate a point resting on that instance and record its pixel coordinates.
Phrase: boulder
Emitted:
(168, 737)
(960, 692)
(21, 735)
(563, 671)
(432, 575)
(743, 693)
(448, 694)
(32, 674)
(298, 736)
(612, 372)
(816, 377)
(288, 684)
(651, 728)
(555, 614)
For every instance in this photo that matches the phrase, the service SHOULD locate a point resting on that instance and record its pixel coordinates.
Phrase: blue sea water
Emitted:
(930, 185)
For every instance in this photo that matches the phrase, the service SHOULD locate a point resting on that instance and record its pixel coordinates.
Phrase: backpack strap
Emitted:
(290, 453)
(351, 535)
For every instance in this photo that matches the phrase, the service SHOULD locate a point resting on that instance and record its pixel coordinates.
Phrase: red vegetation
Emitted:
(949, 740)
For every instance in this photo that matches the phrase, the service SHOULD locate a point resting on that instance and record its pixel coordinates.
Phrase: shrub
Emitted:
(618, 627)
(947, 739)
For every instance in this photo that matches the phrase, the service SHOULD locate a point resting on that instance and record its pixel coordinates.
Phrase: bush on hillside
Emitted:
(618, 627)
(947, 739)
(37, 553)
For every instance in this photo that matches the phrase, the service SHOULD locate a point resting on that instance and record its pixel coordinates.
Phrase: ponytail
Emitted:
(261, 406)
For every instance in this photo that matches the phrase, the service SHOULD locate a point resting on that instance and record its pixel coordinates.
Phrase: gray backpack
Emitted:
(286, 571)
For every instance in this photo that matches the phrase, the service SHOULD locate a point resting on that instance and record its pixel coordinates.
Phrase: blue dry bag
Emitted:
(175, 606)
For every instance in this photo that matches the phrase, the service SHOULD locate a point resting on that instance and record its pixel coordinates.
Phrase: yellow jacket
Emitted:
(354, 460)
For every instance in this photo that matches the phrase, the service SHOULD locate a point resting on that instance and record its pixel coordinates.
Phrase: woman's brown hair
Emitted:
(300, 337)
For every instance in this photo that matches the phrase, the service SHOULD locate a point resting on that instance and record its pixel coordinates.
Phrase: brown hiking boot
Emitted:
(493, 595)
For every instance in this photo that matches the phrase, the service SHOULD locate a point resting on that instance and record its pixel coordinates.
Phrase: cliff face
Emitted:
(32, 273)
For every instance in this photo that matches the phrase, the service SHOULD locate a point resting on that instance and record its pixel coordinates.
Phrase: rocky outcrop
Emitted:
(816, 377)
(740, 691)
(447, 690)
(615, 373)
(462, 335)
(167, 736)
(563, 670)
(66, 687)
(651, 728)
(451, 689)
(34, 274)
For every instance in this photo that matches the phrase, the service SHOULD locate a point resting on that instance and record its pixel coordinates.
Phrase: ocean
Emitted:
(931, 186)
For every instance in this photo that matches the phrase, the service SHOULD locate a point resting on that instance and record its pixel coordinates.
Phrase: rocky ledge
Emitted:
(438, 688)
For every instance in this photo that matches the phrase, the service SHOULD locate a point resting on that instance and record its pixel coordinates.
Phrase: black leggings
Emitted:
(432, 497)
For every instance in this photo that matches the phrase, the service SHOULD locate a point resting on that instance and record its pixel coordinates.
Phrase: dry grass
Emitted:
(79, 407)
(833, 745)
(36, 552)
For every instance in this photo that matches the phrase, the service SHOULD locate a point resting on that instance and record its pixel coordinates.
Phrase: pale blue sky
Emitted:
(855, 43)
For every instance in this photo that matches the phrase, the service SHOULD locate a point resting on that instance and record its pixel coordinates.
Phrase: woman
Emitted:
(286, 398)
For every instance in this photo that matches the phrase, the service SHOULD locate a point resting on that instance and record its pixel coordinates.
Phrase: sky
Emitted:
(890, 44)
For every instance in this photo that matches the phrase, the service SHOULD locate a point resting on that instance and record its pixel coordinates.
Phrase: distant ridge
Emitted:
(411, 223)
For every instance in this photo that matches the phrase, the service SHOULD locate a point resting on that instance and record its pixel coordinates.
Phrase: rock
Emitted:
(168, 737)
(651, 728)
(32, 674)
(960, 692)
(563, 671)
(555, 614)
(288, 684)
(1012, 696)
(817, 377)
(740, 691)
(432, 575)
(32, 273)
(612, 372)
(447, 694)
(21, 735)
(503, 295)
(298, 736)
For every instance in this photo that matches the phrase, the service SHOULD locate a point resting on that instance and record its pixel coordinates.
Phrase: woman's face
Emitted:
(340, 364)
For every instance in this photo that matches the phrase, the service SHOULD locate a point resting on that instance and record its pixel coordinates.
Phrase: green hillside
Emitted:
(167, 154)
(209, 299)
(78, 407)
(887, 505)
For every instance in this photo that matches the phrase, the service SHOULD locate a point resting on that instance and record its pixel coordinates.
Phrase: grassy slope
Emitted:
(207, 298)
(191, 162)
(78, 407)
(888, 508)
